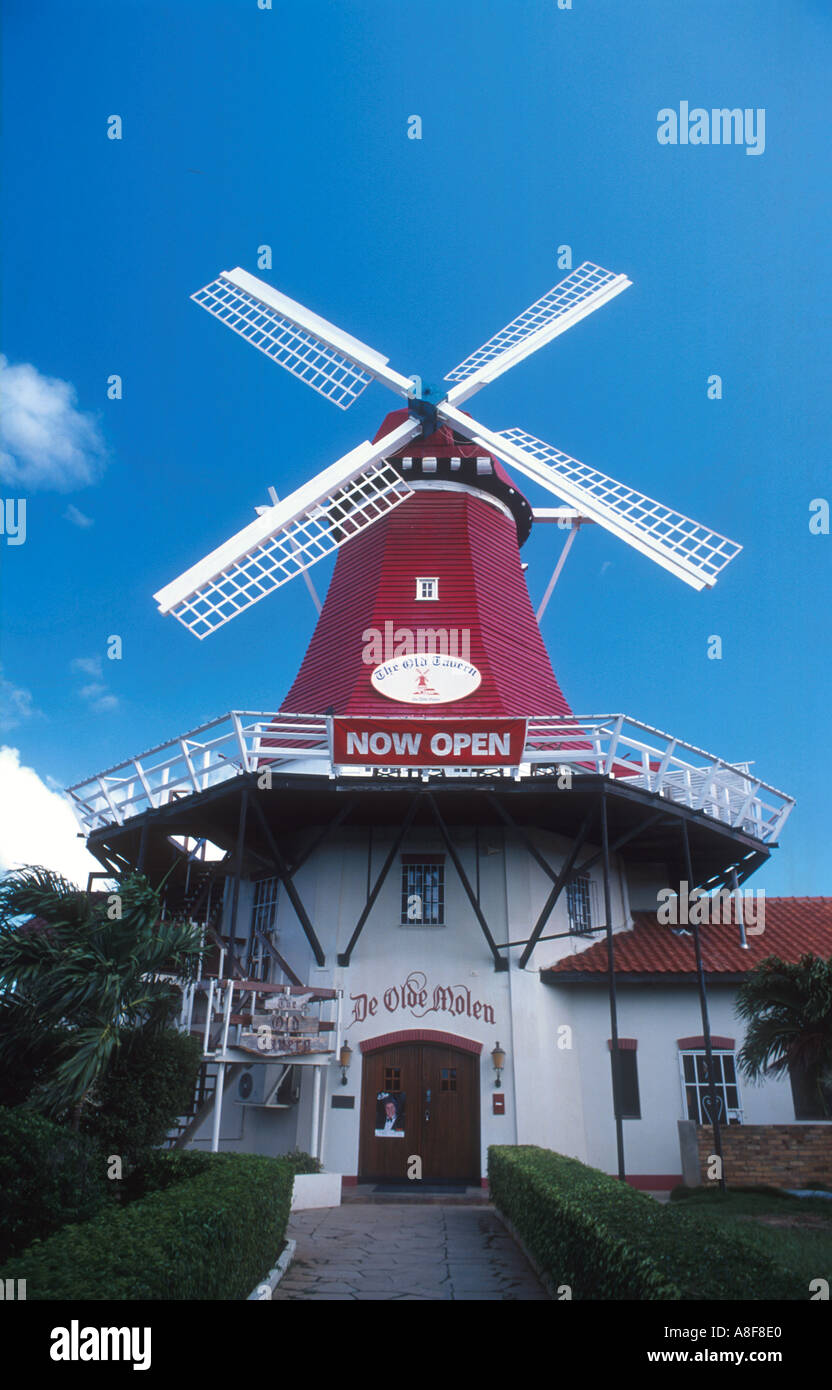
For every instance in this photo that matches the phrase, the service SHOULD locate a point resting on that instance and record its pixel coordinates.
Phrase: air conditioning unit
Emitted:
(258, 1085)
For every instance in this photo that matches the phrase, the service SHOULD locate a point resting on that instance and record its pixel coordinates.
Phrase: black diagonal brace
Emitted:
(500, 962)
(286, 879)
(559, 885)
(621, 841)
(518, 829)
(275, 954)
(327, 830)
(344, 956)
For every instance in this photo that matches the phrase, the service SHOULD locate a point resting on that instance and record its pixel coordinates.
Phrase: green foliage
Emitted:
(569, 1218)
(85, 969)
(300, 1162)
(158, 1169)
(29, 1051)
(48, 1177)
(607, 1241)
(788, 1008)
(149, 1082)
(212, 1233)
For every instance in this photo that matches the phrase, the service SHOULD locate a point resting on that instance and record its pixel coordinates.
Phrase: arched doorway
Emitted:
(420, 1098)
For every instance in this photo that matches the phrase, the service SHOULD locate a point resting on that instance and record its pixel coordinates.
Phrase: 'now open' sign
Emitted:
(428, 742)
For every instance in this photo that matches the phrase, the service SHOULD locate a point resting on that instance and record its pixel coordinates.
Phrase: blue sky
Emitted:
(244, 127)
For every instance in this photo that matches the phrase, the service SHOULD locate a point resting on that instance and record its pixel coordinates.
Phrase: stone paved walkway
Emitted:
(399, 1251)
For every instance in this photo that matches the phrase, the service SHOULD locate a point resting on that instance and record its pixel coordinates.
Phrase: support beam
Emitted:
(233, 959)
(615, 1059)
(567, 546)
(319, 839)
(142, 847)
(500, 962)
(622, 840)
(286, 879)
(508, 820)
(706, 1022)
(215, 1128)
(560, 884)
(238, 861)
(275, 955)
(344, 956)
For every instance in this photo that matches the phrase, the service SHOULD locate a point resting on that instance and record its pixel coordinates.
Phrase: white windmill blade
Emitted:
(586, 289)
(332, 362)
(687, 549)
(288, 538)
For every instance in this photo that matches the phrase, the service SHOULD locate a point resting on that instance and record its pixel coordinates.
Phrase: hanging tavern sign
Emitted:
(407, 742)
(426, 679)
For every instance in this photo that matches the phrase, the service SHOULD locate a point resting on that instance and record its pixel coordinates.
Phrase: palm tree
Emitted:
(788, 1007)
(82, 969)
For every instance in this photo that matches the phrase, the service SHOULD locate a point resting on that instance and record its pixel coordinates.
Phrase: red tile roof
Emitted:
(792, 927)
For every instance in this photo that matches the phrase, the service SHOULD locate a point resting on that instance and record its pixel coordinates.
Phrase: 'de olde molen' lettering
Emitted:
(415, 996)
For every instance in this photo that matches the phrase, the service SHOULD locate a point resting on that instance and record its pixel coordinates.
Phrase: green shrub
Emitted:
(607, 1241)
(149, 1083)
(212, 1235)
(48, 1176)
(565, 1214)
(159, 1169)
(300, 1162)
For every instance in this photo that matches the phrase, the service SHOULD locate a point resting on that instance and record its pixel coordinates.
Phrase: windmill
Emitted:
(430, 445)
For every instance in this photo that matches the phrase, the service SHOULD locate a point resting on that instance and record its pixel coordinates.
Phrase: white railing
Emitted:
(611, 745)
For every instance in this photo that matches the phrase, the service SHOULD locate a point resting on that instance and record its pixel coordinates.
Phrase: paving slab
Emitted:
(397, 1251)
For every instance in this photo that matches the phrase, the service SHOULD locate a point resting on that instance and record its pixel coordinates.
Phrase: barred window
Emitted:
(696, 1087)
(578, 904)
(423, 895)
(265, 904)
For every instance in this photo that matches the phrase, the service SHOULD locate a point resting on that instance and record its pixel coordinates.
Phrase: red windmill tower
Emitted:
(434, 524)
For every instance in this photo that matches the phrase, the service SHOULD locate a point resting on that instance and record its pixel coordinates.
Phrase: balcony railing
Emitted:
(612, 745)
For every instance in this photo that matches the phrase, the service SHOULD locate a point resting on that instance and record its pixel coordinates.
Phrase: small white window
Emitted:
(427, 588)
(579, 904)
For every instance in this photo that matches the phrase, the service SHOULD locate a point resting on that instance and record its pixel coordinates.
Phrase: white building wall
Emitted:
(557, 1082)
(657, 1016)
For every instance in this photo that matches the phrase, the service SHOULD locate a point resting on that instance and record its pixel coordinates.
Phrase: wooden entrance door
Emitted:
(420, 1099)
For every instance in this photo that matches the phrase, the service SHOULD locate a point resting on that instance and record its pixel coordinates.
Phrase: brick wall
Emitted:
(777, 1155)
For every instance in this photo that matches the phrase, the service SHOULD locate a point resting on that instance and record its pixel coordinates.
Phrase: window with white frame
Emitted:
(423, 893)
(265, 904)
(696, 1086)
(427, 588)
(579, 904)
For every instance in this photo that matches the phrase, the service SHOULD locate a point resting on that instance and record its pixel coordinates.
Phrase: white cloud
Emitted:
(48, 444)
(90, 665)
(37, 825)
(98, 696)
(78, 518)
(16, 705)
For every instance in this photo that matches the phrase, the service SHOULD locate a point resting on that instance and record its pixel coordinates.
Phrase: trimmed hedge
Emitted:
(213, 1234)
(149, 1082)
(49, 1175)
(567, 1216)
(607, 1241)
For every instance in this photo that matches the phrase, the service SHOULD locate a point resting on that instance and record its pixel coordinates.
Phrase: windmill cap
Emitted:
(444, 445)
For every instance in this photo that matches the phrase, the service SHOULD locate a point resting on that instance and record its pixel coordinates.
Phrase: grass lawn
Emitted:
(794, 1231)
